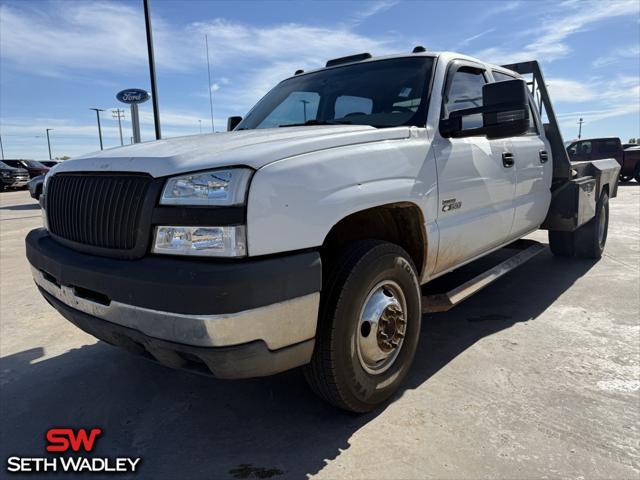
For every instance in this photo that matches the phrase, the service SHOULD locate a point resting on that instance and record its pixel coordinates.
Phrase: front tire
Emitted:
(368, 328)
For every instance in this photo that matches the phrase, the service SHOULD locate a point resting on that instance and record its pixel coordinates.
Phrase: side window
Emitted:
(573, 148)
(501, 77)
(298, 107)
(465, 91)
(608, 146)
(532, 122)
(584, 148)
(347, 104)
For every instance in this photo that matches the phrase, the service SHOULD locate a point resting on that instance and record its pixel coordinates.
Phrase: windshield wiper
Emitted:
(317, 122)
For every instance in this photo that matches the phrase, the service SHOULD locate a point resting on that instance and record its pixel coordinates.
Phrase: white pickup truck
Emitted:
(303, 236)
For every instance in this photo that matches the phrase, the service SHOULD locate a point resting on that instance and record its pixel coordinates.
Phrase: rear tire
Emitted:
(636, 174)
(590, 238)
(357, 364)
(625, 178)
(561, 243)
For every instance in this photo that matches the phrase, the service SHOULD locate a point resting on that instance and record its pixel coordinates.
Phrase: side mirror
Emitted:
(232, 122)
(505, 112)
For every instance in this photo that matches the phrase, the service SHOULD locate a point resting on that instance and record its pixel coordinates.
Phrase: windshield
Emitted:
(384, 93)
(34, 164)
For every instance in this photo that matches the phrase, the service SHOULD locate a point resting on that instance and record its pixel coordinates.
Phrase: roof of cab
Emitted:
(366, 58)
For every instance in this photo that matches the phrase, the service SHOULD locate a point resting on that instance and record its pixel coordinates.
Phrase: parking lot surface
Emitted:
(538, 376)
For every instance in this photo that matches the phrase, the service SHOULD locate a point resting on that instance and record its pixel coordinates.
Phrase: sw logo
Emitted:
(451, 204)
(67, 440)
(60, 439)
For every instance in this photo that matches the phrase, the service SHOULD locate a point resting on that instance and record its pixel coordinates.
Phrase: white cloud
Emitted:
(499, 8)
(470, 39)
(623, 89)
(86, 37)
(263, 56)
(628, 53)
(81, 39)
(283, 41)
(549, 39)
(565, 90)
(370, 9)
(604, 99)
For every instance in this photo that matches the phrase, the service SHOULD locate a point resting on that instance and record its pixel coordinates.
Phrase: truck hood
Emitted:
(253, 148)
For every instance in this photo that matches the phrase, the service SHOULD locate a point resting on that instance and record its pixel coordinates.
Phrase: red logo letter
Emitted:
(61, 438)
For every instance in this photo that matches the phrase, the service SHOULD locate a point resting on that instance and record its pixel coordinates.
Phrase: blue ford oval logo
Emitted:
(133, 95)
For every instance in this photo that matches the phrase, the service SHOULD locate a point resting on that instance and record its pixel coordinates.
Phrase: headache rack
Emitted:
(576, 186)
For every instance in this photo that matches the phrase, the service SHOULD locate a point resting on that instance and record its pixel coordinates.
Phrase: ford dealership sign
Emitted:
(133, 95)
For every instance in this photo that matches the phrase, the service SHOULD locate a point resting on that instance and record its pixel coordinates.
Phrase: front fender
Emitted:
(294, 203)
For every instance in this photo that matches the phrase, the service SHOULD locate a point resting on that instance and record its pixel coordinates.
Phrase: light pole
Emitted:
(580, 122)
(152, 69)
(98, 110)
(200, 123)
(1, 147)
(206, 43)
(119, 114)
(48, 142)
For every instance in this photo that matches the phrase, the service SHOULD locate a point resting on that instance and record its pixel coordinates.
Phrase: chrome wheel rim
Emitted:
(602, 224)
(381, 327)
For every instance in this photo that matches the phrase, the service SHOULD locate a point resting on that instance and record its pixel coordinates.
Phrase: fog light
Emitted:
(201, 241)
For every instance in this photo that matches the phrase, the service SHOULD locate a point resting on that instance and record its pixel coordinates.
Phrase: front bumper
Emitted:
(171, 304)
(15, 182)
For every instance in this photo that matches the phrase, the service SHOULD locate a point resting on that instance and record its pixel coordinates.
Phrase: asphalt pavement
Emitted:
(538, 375)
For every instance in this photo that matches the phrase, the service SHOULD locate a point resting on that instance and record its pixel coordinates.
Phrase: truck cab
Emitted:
(303, 236)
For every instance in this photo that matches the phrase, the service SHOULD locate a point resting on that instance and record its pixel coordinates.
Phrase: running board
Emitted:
(441, 302)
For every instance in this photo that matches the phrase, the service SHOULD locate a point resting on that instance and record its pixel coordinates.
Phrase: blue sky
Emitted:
(58, 59)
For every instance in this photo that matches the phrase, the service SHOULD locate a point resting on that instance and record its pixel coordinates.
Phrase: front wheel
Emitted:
(368, 328)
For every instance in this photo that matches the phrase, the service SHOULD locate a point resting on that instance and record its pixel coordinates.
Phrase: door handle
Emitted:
(507, 159)
(544, 156)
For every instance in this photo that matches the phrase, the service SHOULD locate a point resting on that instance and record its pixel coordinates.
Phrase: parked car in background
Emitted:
(608, 147)
(49, 163)
(35, 186)
(12, 177)
(629, 145)
(34, 167)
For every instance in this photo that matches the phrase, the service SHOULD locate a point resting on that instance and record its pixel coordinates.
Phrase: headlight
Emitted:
(201, 241)
(215, 187)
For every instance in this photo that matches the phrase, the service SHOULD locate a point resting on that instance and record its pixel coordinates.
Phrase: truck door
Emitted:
(476, 178)
(534, 171)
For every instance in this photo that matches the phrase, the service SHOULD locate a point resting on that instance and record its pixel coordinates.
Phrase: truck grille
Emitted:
(96, 210)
